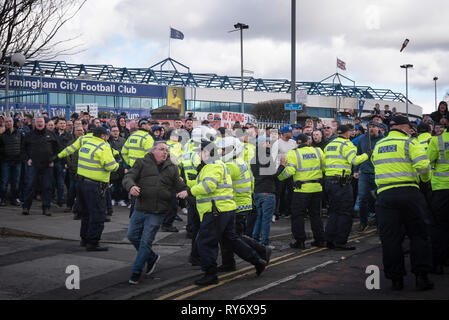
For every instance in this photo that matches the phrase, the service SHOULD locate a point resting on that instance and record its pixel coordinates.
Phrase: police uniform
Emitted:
(189, 164)
(95, 164)
(137, 146)
(438, 153)
(306, 165)
(216, 208)
(243, 188)
(400, 164)
(340, 156)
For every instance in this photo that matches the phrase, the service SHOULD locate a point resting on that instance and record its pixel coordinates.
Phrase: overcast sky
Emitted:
(366, 34)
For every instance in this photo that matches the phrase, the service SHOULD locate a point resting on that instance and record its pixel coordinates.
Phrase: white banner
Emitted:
(228, 119)
(92, 108)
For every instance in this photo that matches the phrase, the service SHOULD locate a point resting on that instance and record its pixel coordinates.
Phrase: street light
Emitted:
(241, 26)
(17, 60)
(406, 67)
(293, 114)
(435, 79)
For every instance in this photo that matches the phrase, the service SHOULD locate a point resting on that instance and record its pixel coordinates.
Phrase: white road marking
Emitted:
(289, 278)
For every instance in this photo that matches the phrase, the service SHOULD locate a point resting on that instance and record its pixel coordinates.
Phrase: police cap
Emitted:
(98, 131)
(342, 129)
(398, 120)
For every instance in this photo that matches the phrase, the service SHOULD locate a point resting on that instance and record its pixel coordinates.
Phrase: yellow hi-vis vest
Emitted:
(137, 146)
(242, 184)
(438, 152)
(424, 139)
(214, 183)
(175, 150)
(249, 152)
(95, 160)
(189, 163)
(340, 155)
(305, 164)
(399, 161)
(74, 147)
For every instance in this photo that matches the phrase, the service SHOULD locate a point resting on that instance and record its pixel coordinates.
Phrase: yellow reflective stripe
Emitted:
(218, 198)
(90, 168)
(391, 160)
(89, 160)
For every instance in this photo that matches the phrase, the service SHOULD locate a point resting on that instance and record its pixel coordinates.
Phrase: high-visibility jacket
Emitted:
(175, 150)
(242, 184)
(340, 156)
(305, 164)
(95, 160)
(74, 147)
(188, 146)
(189, 163)
(137, 146)
(424, 139)
(399, 161)
(249, 152)
(214, 183)
(438, 153)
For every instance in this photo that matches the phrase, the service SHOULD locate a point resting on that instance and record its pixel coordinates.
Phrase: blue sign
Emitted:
(85, 86)
(293, 106)
(361, 105)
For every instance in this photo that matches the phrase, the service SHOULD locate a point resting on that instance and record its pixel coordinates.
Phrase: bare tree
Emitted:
(271, 110)
(30, 27)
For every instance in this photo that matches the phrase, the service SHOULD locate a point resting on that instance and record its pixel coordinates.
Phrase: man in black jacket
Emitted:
(119, 194)
(11, 150)
(152, 179)
(41, 147)
(64, 140)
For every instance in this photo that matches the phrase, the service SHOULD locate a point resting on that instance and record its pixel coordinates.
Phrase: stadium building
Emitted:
(60, 87)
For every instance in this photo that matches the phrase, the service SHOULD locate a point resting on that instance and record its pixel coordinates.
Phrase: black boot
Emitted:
(423, 282)
(260, 266)
(228, 268)
(207, 279)
(263, 251)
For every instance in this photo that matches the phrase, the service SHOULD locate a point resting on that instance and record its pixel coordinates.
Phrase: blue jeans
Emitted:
(367, 202)
(266, 206)
(10, 172)
(142, 230)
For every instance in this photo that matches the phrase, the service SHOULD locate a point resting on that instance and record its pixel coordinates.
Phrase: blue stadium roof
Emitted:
(156, 75)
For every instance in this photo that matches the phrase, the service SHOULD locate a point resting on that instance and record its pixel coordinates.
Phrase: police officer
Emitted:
(190, 166)
(340, 156)
(424, 134)
(138, 144)
(136, 147)
(95, 164)
(400, 164)
(216, 208)
(306, 165)
(243, 187)
(438, 152)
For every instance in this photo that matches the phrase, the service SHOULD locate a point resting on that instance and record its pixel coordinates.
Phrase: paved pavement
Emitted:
(35, 251)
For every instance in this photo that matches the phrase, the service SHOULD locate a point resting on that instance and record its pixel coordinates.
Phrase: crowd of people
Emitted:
(233, 184)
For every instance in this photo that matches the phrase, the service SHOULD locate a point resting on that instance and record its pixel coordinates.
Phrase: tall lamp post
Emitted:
(17, 60)
(435, 79)
(406, 67)
(241, 26)
(293, 115)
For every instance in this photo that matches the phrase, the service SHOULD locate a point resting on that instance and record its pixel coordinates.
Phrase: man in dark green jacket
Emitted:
(152, 179)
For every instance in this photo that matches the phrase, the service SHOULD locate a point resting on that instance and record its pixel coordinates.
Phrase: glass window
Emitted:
(53, 98)
(204, 106)
(125, 102)
(235, 107)
(62, 98)
(147, 103)
(101, 100)
(89, 98)
(134, 103)
(78, 98)
(215, 107)
(110, 101)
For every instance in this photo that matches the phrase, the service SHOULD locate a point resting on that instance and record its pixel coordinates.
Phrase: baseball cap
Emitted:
(342, 129)
(143, 121)
(398, 120)
(296, 126)
(286, 129)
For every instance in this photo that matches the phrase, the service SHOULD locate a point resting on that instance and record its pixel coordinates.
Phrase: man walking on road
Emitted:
(152, 180)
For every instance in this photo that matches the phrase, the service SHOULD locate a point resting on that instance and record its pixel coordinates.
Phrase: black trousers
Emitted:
(303, 203)
(398, 210)
(227, 253)
(220, 229)
(440, 228)
(92, 209)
